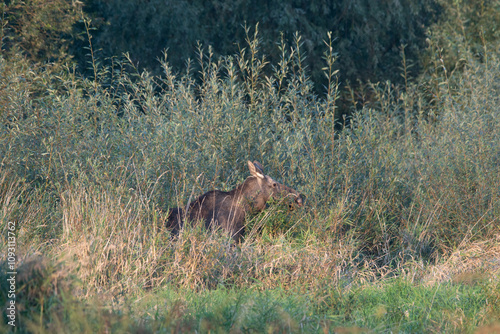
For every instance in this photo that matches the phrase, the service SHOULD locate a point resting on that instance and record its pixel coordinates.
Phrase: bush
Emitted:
(41, 30)
(391, 179)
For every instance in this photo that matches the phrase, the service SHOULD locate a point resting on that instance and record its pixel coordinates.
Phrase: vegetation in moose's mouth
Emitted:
(400, 231)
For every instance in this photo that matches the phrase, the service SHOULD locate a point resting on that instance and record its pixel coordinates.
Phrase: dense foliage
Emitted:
(368, 34)
(42, 30)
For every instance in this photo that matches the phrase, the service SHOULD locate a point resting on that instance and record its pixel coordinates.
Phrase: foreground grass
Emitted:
(394, 306)
(387, 305)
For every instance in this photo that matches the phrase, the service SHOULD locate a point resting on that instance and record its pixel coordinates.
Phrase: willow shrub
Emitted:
(396, 184)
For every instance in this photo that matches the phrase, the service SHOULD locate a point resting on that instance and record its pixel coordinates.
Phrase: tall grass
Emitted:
(89, 168)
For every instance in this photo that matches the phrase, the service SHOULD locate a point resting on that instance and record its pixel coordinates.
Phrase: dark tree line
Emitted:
(368, 34)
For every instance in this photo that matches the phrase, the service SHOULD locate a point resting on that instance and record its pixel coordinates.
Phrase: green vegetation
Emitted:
(400, 230)
(368, 34)
(384, 306)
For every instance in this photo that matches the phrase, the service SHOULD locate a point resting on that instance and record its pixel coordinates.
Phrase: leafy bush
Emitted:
(41, 30)
(391, 179)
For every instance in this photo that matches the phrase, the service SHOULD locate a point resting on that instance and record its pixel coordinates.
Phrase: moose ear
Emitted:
(255, 170)
(260, 168)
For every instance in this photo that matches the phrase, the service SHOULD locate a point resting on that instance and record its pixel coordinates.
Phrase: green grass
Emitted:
(389, 305)
(396, 306)
(399, 233)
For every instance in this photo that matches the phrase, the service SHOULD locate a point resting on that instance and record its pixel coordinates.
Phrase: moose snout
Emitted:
(299, 200)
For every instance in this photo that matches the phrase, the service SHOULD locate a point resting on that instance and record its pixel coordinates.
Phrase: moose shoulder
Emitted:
(229, 209)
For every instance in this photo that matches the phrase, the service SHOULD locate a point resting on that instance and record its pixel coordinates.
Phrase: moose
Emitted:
(228, 209)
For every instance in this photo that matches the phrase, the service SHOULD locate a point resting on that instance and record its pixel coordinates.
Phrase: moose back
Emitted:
(228, 209)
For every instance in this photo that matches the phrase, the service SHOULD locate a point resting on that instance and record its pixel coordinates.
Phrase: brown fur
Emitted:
(228, 209)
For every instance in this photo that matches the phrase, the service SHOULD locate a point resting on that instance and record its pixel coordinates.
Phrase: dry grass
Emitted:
(473, 262)
(104, 238)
